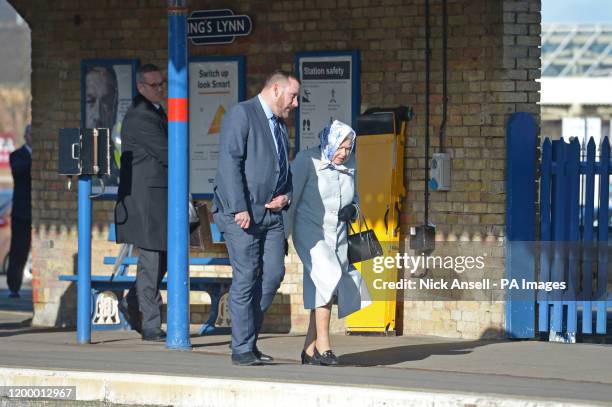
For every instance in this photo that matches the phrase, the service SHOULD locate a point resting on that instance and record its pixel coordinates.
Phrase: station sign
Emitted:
(207, 27)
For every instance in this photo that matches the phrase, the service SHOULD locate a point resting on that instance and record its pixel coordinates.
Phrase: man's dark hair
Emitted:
(143, 69)
(279, 75)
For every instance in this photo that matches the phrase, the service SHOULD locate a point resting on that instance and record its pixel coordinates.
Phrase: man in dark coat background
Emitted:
(141, 211)
(21, 214)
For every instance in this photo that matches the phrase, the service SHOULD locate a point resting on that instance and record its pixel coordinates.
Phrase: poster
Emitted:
(215, 85)
(329, 91)
(107, 89)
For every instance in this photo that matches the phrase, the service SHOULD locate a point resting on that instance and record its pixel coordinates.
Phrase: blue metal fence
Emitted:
(573, 241)
(575, 216)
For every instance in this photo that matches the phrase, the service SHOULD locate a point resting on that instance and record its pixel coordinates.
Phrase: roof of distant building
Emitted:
(583, 50)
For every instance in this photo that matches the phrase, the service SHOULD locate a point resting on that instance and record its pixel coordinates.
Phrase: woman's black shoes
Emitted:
(326, 358)
(309, 360)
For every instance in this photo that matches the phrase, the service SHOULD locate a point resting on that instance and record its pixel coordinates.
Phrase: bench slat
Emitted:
(131, 279)
(194, 261)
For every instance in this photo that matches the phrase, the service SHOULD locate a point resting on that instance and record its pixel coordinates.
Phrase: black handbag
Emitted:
(363, 245)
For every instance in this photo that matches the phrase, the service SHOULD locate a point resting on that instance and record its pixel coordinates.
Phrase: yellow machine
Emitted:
(380, 182)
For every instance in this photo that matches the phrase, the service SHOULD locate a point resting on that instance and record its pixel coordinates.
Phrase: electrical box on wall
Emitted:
(84, 151)
(423, 239)
(440, 172)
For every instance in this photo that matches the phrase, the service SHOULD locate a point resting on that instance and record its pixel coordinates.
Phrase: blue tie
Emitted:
(282, 156)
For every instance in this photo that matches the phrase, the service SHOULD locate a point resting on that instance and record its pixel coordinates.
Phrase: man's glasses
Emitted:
(155, 85)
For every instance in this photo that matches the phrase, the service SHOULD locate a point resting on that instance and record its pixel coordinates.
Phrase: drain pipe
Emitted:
(427, 83)
(422, 238)
(444, 75)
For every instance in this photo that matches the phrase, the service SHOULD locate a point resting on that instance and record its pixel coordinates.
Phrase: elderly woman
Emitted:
(324, 199)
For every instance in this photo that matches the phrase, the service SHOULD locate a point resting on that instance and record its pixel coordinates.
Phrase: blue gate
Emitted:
(572, 246)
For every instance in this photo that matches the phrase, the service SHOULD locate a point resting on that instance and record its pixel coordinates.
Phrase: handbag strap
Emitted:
(360, 218)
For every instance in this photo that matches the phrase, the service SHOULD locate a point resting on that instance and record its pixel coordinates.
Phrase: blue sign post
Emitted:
(206, 27)
(84, 262)
(178, 179)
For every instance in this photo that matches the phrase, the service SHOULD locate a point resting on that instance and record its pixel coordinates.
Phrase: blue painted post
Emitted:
(520, 220)
(559, 229)
(178, 179)
(545, 232)
(84, 262)
(571, 297)
(602, 235)
(588, 239)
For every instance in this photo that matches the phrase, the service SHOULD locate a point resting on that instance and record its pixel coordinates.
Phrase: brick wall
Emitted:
(493, 62)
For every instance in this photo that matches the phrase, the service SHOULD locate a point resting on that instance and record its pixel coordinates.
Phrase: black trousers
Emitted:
(21, 239)
(145, 294)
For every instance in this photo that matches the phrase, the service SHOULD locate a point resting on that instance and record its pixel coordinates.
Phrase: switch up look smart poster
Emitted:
(215, 85)
(329, 91)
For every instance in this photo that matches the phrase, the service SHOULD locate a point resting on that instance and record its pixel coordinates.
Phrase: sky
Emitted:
(577, 11)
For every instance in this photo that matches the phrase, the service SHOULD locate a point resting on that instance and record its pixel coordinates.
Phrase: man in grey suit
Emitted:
(252, 187)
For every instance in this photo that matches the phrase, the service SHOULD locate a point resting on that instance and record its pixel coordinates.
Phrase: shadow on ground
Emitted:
(203, 346)
(409, 353)
(23, 327)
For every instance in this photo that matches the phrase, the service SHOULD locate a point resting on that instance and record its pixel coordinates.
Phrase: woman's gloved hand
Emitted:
(347, 213)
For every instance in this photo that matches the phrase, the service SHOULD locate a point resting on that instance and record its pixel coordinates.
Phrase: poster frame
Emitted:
(85, 65)
(355, 84)
(241, 61)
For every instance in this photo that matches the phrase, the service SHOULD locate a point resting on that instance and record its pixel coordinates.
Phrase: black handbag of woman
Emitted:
(362, 245)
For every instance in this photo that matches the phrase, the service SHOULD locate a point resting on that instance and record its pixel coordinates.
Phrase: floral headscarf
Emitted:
(331, 137)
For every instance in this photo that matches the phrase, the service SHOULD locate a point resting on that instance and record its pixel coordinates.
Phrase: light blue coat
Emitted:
(320, 240)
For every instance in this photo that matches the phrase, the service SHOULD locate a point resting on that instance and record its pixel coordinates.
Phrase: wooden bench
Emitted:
(107, 290)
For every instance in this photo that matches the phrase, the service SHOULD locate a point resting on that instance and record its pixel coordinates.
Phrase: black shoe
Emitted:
(14, 294)
(153, 335)
(310, 360)
(326, 358)
(132, 316)
(262, 356)
(245, 359)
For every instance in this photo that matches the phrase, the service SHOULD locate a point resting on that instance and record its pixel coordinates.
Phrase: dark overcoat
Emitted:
(141, 211)
(21, 165)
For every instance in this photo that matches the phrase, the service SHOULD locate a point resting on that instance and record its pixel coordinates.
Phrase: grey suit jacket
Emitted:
(248, 168)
